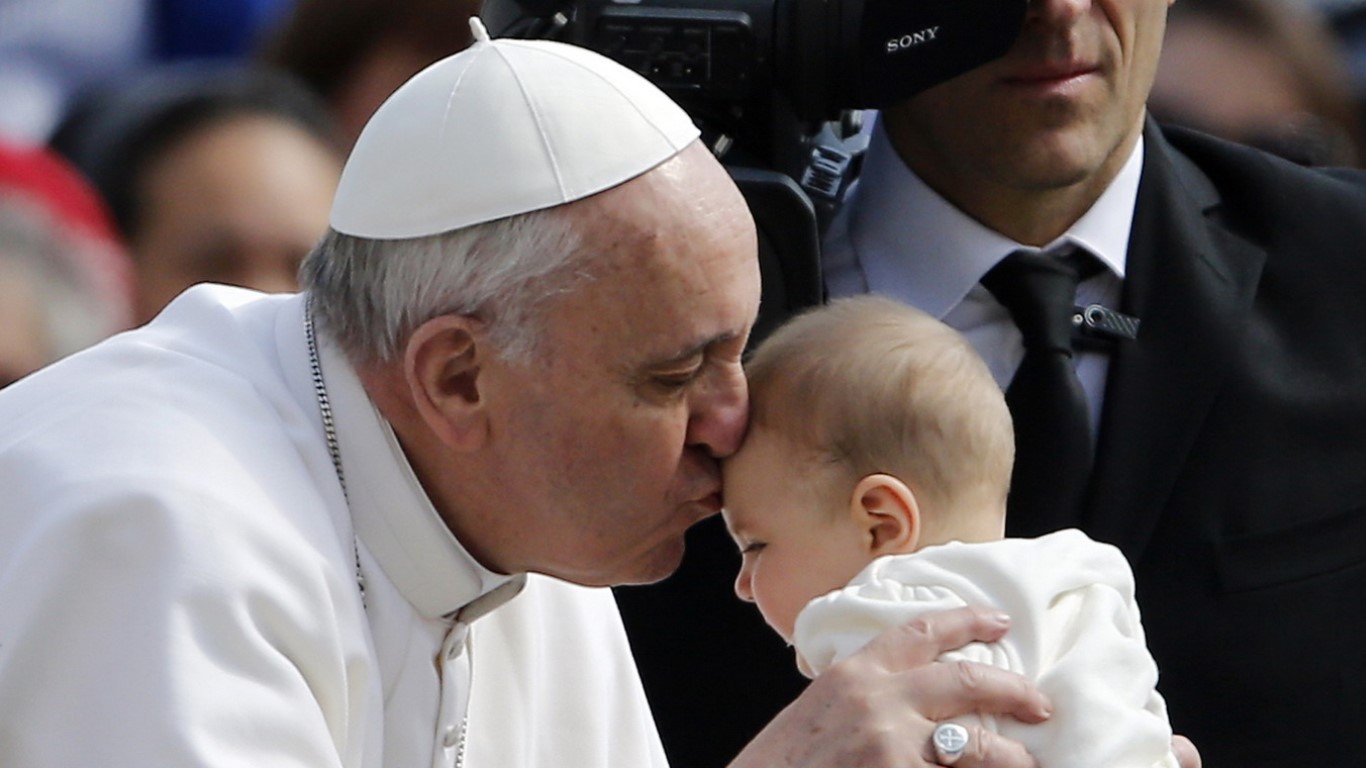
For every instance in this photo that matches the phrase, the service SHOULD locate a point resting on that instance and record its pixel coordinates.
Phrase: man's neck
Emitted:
(434, 464)
(1030, 214)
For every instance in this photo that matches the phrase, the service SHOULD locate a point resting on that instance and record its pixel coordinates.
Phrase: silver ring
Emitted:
(950, 740)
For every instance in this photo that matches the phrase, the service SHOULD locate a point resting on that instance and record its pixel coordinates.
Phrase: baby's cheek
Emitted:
(777, 611)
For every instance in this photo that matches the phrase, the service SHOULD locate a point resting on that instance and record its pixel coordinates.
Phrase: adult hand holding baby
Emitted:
(878, 708)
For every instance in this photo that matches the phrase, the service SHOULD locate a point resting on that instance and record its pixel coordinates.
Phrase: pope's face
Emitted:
(608, 440)
(1060, 110)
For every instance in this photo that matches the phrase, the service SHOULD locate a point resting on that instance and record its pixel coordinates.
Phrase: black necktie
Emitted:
(1047, 403)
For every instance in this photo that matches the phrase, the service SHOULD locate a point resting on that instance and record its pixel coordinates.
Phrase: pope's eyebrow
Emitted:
(697, 348)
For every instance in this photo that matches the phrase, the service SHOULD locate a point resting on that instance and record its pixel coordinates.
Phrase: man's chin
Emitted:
(653, 567)
(658, 565)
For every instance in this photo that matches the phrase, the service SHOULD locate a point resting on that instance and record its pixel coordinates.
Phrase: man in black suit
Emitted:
(1229, 434)
(1230, 439)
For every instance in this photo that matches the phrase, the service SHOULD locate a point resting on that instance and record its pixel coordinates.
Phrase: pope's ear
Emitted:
(887, 509)
(443, 364)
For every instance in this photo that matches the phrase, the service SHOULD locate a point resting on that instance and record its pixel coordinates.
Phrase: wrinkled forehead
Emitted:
(678, 270)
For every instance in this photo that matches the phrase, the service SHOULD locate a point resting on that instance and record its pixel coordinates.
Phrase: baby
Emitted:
(871, 488)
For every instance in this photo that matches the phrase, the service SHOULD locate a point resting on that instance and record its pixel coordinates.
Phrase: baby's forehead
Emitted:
(731, 520)
(764, 435)
(743, 460)
(737, 524)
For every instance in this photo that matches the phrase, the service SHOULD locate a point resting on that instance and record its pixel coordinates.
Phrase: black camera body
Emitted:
(825, 57)
(724, 60)
(778, 88)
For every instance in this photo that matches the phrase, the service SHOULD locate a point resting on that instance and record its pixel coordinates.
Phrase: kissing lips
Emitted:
(699, 509)
(711, 503)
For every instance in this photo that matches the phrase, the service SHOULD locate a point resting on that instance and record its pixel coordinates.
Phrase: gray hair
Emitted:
(371, 294)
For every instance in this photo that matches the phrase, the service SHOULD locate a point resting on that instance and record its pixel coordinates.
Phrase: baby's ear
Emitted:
(887, 509)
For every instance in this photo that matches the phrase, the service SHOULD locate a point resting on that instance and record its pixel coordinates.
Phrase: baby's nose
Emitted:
(742, 586)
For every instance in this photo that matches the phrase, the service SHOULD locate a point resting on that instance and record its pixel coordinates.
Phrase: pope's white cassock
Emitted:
(179, 582)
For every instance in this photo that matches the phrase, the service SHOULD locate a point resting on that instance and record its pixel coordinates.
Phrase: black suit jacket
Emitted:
(1231, 467)
(1231, 470)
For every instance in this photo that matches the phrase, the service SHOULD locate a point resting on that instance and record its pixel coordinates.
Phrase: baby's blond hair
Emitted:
(880, 387)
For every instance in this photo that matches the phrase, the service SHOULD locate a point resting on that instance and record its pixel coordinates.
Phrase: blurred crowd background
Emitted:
(147, 145)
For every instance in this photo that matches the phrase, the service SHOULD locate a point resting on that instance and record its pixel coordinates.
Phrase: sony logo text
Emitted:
(912, 39)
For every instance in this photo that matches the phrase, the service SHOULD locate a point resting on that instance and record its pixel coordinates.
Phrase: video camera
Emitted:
(778, 88)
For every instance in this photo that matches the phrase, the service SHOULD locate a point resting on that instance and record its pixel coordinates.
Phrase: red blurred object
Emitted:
(57, 186)
(46, 180)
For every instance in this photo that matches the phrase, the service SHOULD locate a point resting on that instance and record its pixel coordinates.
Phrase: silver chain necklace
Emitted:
(334, 448)
(329, 428)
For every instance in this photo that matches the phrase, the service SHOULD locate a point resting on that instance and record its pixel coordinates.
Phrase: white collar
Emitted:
(392, 514)
(953, 250)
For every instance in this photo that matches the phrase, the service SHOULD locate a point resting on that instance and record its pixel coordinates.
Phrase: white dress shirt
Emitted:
(179, 584)
(897, 237)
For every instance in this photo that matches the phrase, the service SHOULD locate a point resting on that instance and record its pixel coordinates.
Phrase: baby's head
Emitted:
(875, 430)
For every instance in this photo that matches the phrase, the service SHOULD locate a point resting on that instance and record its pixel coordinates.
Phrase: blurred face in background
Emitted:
(1261, 72)
(23, 348)
(238, 202)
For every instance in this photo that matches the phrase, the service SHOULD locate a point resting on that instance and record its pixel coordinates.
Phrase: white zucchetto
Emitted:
(504, 127)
